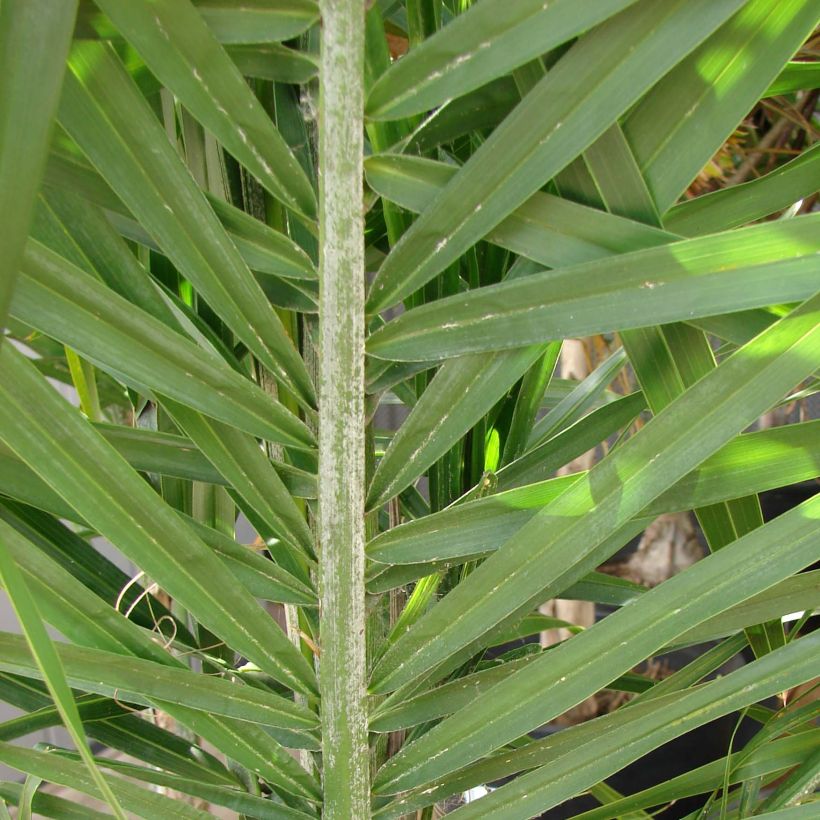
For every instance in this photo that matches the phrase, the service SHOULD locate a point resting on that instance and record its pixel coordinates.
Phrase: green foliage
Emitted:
(195, 196)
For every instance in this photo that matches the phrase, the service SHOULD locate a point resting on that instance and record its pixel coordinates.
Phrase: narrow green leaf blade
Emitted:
(142, 681)
(676, 128)
(103, 110)
(486, 41)
(34, 39)
(741, 204)
(45, 659)
(136, 520)
(247, 469)
(579, 667)
(177, 46)
(752, 267)
(462, 391)
(62, 301)
(623, 737)
(614, 491)
(58, 769)
(614, 64)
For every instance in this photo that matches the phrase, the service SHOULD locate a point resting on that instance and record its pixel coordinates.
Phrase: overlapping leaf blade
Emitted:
(614, 491)
(611, 66)
(104, 111)
(135, 519)
(485, 42)
(707, 276)
(581, 665)
(176, 44)
(38, 34)
(62, 301)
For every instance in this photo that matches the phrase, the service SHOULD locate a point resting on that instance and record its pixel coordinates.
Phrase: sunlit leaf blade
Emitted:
(798, 594)
(739, 204)
(755, 461)
(104, 111)
(706, 276)
(62, 301)
(37, 35)
(45, 659)
(487, 41)
(679, 125)
(611, 66)
(135, 519)
(544, 459)
(567, 674)
(615, 490)
(177, 46)
(795, 77)
(461, 392)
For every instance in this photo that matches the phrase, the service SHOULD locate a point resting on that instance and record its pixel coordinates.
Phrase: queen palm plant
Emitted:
(236, 232)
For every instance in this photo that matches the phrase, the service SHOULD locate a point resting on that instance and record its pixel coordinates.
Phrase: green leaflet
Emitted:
(755, 461)
(238, 22)
(36, 34)
(583, 755)
(772, 757)
(548, 229)
(78, 231)
(257, 21)
(750, 267)
(795, 77)
(88, 621)
(461, 392)
(615, 490)
(59, 299)
(271, 61)
(487, 41)
(232, 798)
(107, 673)
(177, 46)
(104, 112)
(612, 65)
(794, 594)
(45, 659)
(683, 120)
(58, 769)
(167, 454)
(135, 519)
(567, 674)
(264, 250)
(248, 470)
(174, 455)
(740, 204)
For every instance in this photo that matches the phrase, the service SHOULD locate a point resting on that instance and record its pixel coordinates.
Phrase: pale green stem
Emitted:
(341, 526)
